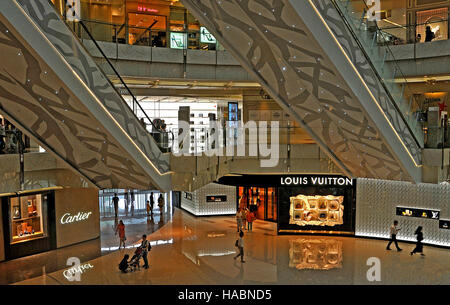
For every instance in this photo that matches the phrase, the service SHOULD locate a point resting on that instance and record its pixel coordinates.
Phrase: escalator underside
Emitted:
(303, 54)
(52, 90)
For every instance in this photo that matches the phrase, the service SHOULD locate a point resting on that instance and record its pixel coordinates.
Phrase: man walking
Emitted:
(116, 205)
(152, 202)
(394, 231)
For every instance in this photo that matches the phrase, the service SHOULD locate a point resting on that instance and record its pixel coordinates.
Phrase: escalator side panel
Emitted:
(80, 60)
(44, 97)
(354, 52)
(273, 44)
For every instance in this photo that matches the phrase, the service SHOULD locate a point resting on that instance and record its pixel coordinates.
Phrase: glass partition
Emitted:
(369, 36)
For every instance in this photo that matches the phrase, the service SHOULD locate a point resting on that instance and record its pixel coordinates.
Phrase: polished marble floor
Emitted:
(45, 263)
(190, 250)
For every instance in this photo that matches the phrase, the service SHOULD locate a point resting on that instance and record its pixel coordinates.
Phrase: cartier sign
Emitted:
(69, 218)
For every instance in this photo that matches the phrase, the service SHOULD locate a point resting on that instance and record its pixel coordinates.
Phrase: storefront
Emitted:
(157, 23)
(210, 200)
(41, 220)
(300, 204)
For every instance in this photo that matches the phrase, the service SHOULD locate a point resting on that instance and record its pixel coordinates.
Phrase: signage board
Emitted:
(216, 198)
(415, 212)
(188, 196)
(444, 224)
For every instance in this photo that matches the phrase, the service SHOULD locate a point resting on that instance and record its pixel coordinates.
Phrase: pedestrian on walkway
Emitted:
(393, 231)
(152, 202)
(145, 245)
(240, 246)
(147, 205)
(239, 219)
(127, 202)
(250, 218)
(161, 203)
(116, 205)
(132, 203)
(121, 231)
(124, 264)
(244, 212)
(419, 245)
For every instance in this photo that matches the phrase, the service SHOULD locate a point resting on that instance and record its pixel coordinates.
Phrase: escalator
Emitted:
(322, 62)
(53, 91)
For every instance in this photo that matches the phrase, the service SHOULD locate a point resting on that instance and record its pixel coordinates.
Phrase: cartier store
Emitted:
(300, 204)
(36, 221)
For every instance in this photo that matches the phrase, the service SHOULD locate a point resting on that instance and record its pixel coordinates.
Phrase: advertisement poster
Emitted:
(178, 40)
(206, 36)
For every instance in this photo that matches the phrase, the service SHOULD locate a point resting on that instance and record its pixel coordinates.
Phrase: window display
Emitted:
(436, 21)
(316, 210)
(421, 213)
(26, 220)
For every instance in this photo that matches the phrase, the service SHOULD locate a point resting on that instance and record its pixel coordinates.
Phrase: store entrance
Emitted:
(147, 30)
(260, 200)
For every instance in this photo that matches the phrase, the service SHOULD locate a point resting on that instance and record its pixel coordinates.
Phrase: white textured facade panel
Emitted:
(376, 202)
(199, 207)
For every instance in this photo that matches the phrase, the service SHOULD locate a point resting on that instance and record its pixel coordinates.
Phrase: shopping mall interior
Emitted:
(310, 126)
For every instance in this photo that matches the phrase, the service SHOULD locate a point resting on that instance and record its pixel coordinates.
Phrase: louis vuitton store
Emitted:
(300, 204)
(37, 221)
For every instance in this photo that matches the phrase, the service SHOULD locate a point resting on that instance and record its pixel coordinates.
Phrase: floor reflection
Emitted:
(316, 254)
(43, 263)
(199, 251)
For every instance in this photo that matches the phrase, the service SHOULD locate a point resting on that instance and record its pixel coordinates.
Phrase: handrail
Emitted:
(388, 92)
(118, 75)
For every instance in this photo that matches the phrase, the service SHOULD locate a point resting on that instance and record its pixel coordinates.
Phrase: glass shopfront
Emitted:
(319, 207)
(157, 23)
(436, 19)
(28, 220)
(260, 200)
(28, 224)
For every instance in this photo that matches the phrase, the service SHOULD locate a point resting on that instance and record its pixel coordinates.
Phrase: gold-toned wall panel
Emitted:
(77, 215)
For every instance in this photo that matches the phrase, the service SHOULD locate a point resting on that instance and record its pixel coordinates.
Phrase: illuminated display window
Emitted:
(436, 19)
(27, 220)
(316, 210)
(178, 40)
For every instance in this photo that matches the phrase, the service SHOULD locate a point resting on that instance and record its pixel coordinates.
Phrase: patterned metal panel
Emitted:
(200, 207)
(376, 202)
(34, 96)
(272, 42)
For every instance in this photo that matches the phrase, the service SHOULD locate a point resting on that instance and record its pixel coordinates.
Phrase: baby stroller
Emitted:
(135, 260)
